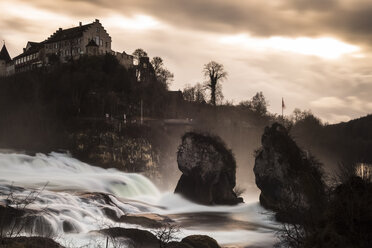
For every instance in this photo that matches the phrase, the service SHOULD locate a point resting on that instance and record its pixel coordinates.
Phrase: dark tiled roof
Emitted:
(92, 43)
(33, 43)
(4, 55)
(67, 34)
(35, 47)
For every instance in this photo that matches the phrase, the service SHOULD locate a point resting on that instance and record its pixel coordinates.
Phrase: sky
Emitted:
(315, 54)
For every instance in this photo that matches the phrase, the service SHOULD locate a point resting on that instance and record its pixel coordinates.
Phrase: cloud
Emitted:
(329, 102)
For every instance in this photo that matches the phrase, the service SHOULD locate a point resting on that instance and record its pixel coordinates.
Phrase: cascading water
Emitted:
(74, 199)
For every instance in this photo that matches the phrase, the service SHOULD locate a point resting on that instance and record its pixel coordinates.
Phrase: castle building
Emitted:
(6, 64)
(65, 45)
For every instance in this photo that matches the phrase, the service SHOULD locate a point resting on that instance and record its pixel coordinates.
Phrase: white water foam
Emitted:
(64, 200)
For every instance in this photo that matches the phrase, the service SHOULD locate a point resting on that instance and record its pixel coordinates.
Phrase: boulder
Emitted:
(175, 244)
(140, 238)
(28, 242)
(208, 170)
(290, 180)
(200, 241)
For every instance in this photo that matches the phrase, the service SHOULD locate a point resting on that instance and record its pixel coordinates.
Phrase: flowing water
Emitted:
(75, 199)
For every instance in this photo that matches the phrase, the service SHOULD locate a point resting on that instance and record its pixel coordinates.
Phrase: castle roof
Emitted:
(4, 55)
(34, 47)
(68, 34)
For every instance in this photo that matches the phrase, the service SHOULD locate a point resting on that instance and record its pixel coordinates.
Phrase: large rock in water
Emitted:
(208, 170)
(289, 179)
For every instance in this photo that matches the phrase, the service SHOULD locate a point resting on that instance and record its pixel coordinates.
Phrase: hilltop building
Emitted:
(66, 45)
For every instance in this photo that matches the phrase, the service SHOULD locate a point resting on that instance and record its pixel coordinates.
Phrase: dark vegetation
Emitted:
(314, 214)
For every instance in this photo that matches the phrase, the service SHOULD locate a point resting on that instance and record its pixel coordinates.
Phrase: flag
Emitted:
(283, 105)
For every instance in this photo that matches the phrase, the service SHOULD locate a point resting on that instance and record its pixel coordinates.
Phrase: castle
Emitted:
(63, 46)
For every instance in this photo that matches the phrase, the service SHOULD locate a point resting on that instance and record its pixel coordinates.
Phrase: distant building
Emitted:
(65, 45)
(33, 56)
(6, 64)
(125, 59)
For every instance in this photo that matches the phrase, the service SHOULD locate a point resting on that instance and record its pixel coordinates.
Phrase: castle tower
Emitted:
(4, 61)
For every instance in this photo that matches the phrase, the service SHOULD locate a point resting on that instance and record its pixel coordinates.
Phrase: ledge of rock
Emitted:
(289, 179)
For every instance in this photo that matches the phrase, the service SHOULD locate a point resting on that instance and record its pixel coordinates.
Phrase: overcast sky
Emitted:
(316, 54)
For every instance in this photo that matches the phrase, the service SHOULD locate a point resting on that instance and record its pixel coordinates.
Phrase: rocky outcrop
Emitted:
(195, 241)
(200, 241)
(139, 238)
(114, 149)
(289, 179)
(208, 170)
(28, 242)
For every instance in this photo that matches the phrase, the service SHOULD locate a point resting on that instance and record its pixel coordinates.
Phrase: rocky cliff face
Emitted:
(289, 179)
(208, 170)
(112, 149)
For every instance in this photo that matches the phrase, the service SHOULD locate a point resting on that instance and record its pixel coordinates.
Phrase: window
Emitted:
(106, 44)
(97, 29)
(101, 42)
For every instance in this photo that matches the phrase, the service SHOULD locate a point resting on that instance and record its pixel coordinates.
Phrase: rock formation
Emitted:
(289, 179)
(208, 170)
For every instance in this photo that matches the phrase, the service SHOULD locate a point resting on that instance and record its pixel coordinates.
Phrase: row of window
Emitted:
(66, 43)
(70, 43)
(26, 59)
(75, 51)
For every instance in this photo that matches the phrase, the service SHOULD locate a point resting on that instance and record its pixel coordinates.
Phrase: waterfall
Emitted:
(70, 199)
(61, 172)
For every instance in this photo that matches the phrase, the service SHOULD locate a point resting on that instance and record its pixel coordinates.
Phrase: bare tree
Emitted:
(215, 73)
(13, 219)
(167, 233)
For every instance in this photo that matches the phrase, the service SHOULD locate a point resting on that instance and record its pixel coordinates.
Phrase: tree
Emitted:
(163, 75)
(257, 104)
(139, 53)
(215, 72)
